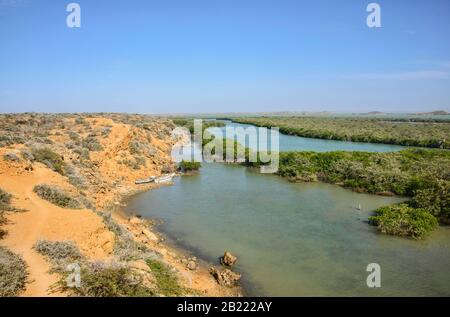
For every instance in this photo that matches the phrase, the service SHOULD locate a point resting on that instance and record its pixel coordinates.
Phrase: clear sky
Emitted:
(224, 56)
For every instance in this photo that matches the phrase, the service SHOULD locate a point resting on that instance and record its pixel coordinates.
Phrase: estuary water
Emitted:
(295, 239)
(295, 143)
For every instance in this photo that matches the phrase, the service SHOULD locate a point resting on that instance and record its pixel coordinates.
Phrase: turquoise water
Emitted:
(294, 239)
(295, 143)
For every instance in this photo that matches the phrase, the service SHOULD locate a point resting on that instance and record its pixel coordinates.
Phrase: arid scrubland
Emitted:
(61, 177)
(389, 130)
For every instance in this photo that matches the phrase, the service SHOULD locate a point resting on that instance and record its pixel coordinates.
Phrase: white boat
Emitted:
(165, 178)
(145, 180)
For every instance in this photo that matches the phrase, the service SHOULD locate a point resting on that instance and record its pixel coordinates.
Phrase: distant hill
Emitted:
(434, 113)
(374, 113)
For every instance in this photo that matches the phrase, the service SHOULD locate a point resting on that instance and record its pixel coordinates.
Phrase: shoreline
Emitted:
(100, 181)
(173, 252)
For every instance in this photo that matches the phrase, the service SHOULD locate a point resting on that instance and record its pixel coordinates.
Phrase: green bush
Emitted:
(422, 174)
(80, 120)
(125, 247)
(395, 131)
(189, 123)
(77, 180)
(11, 157)
(436, 199)
(13, 273)
(10, 139)
(26, 155)
(75, 137)
(92, 144)
(5, 202)
(186, 166)
(3, 232)
(167, 282)
(49, 158)
(135, 147)
(99, 280)
(418, 173)
(83, 153)
(59, 253)
(56, 196)
(136, 163)
(5, 199)
(404, 220)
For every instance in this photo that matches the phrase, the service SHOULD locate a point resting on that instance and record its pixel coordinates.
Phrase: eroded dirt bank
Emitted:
(94, 160)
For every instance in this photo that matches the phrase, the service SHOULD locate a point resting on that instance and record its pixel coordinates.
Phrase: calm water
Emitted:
(295, 239)
(295, 143)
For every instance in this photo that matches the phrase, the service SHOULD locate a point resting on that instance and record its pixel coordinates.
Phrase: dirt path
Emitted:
(109, 180)
(22, 235)
(43, 220)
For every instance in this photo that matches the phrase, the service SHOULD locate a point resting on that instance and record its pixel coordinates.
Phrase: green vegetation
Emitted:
(137, 147)
(59, 253)
(422, 174)
(187, 166)
(11, 157)
(97, 279)
(56, 196)
(167, 281)
(5, 200)
(125, 247)
(49, 158)
(3, 232)
(13, 273)
(418, 173)
(7, 139)
(92, 144)
(240, 153)
(403, 220)
(116, 278)
(5, 205)
(189, 123)
(136, 163)
(111, 281)
(424, 134)
(227, 146)
(435, 198)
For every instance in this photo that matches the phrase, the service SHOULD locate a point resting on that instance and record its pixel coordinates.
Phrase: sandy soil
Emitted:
(43, 220)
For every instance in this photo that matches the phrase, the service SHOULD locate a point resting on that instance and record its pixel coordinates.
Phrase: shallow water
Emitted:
(294, 239)
(295, 143)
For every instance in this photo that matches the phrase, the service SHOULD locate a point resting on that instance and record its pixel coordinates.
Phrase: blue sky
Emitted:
(224, 56)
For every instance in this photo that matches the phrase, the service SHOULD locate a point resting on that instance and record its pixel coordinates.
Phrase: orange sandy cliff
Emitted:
(102, 155)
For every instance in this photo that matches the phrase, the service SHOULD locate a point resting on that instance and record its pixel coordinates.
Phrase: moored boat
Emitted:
(165, 178)
(145, 180)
